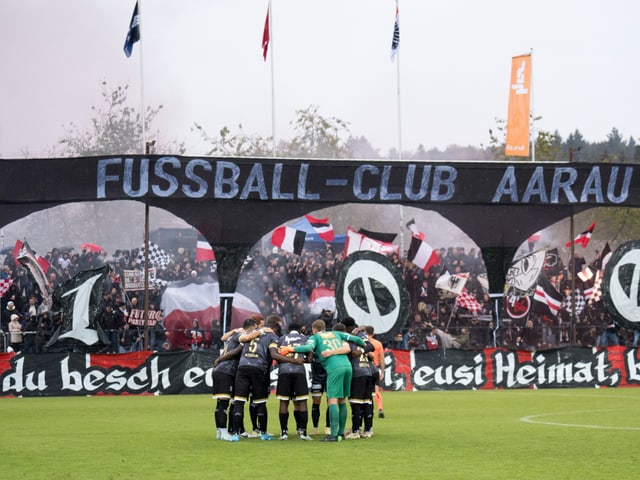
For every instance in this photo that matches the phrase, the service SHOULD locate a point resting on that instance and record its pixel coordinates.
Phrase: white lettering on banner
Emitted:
(446, 375)
(519, 85)
(509, 373)
(194, 377)
(94, 379)
(564, 182)
(633, 367)
(222, 179)
(18, 381)
(80, 328)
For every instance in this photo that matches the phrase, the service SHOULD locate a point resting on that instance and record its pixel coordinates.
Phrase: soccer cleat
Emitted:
(254, 434)
(327, 430)
(352, 435)
(380, 414)
(305, 437)
(315, 431)
(368, 434)
(231, 438)
(284, 436)
(266, 436)
(332, 438)
(218, 434)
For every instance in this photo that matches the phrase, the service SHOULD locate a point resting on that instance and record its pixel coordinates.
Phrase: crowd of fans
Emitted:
(281, 283)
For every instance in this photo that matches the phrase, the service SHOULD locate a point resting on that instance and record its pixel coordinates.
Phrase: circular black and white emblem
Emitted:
(371, 290)
(621, 285)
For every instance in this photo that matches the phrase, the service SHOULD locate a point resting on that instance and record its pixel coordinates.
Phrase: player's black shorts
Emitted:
(360, 390)
(292, 386)
(251, 381)
(223, 385)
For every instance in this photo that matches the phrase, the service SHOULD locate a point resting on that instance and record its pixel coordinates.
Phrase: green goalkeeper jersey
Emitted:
(329, 340)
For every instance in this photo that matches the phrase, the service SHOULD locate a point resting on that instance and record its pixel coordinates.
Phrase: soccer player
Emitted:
(224, 377)
(259, 350)
(378, 360)
(361, 387)
(333, 355)
(293, 387)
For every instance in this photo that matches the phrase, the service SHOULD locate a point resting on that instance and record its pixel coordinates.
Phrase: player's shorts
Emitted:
(223, 385)
(292, 386)
(251, 381)
(360, 390)
(339, 382)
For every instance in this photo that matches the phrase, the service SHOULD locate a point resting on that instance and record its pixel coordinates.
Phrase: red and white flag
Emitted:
(204, 251)
(242, 308)
(322, 227)
(357, 241)
(584, 237)
(468, 301)
(288, 239)
(322, 298)
(422, 255)
(546, 298)
(5, 284)
(265, 35)
(185, 300)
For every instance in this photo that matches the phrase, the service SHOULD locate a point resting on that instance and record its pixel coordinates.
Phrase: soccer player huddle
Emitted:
(346, 362)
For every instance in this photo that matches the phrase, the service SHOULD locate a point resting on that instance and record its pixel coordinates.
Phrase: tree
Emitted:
(235, 144)
(116, 128)
(318, 136)
(548, 146)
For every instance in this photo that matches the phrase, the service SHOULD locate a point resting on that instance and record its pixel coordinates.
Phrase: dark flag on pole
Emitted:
(395, 41)
(133, 35)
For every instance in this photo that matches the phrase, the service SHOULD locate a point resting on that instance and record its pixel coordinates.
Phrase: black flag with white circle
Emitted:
(621, 285)
(371, 290)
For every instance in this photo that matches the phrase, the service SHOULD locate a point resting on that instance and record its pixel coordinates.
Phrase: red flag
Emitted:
(322, 227)
(265, 35)
(584, 237)
(204, 252)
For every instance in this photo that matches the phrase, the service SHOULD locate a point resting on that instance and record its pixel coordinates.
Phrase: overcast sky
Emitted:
(202, 60)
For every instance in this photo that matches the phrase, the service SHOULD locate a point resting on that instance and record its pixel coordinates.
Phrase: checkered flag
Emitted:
(157, 256)
(596, 294)
(468, 301)
(5, 284)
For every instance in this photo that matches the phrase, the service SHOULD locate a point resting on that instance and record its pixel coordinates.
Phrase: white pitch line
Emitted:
(532, 419)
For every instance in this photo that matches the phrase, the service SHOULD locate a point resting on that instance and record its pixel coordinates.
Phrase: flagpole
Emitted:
(273, 88)
(398, 98)
(531, 104)
(142, 116)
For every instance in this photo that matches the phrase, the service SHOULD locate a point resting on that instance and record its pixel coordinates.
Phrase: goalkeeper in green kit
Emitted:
(333, 355)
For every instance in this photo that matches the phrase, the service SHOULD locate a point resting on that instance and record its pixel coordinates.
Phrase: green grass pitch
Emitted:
(515, 434)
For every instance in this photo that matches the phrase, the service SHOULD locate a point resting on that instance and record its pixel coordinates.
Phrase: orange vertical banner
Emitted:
(517, 143)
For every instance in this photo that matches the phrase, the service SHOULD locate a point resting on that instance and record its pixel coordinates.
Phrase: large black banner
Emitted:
(235, 201)
(69, 374)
